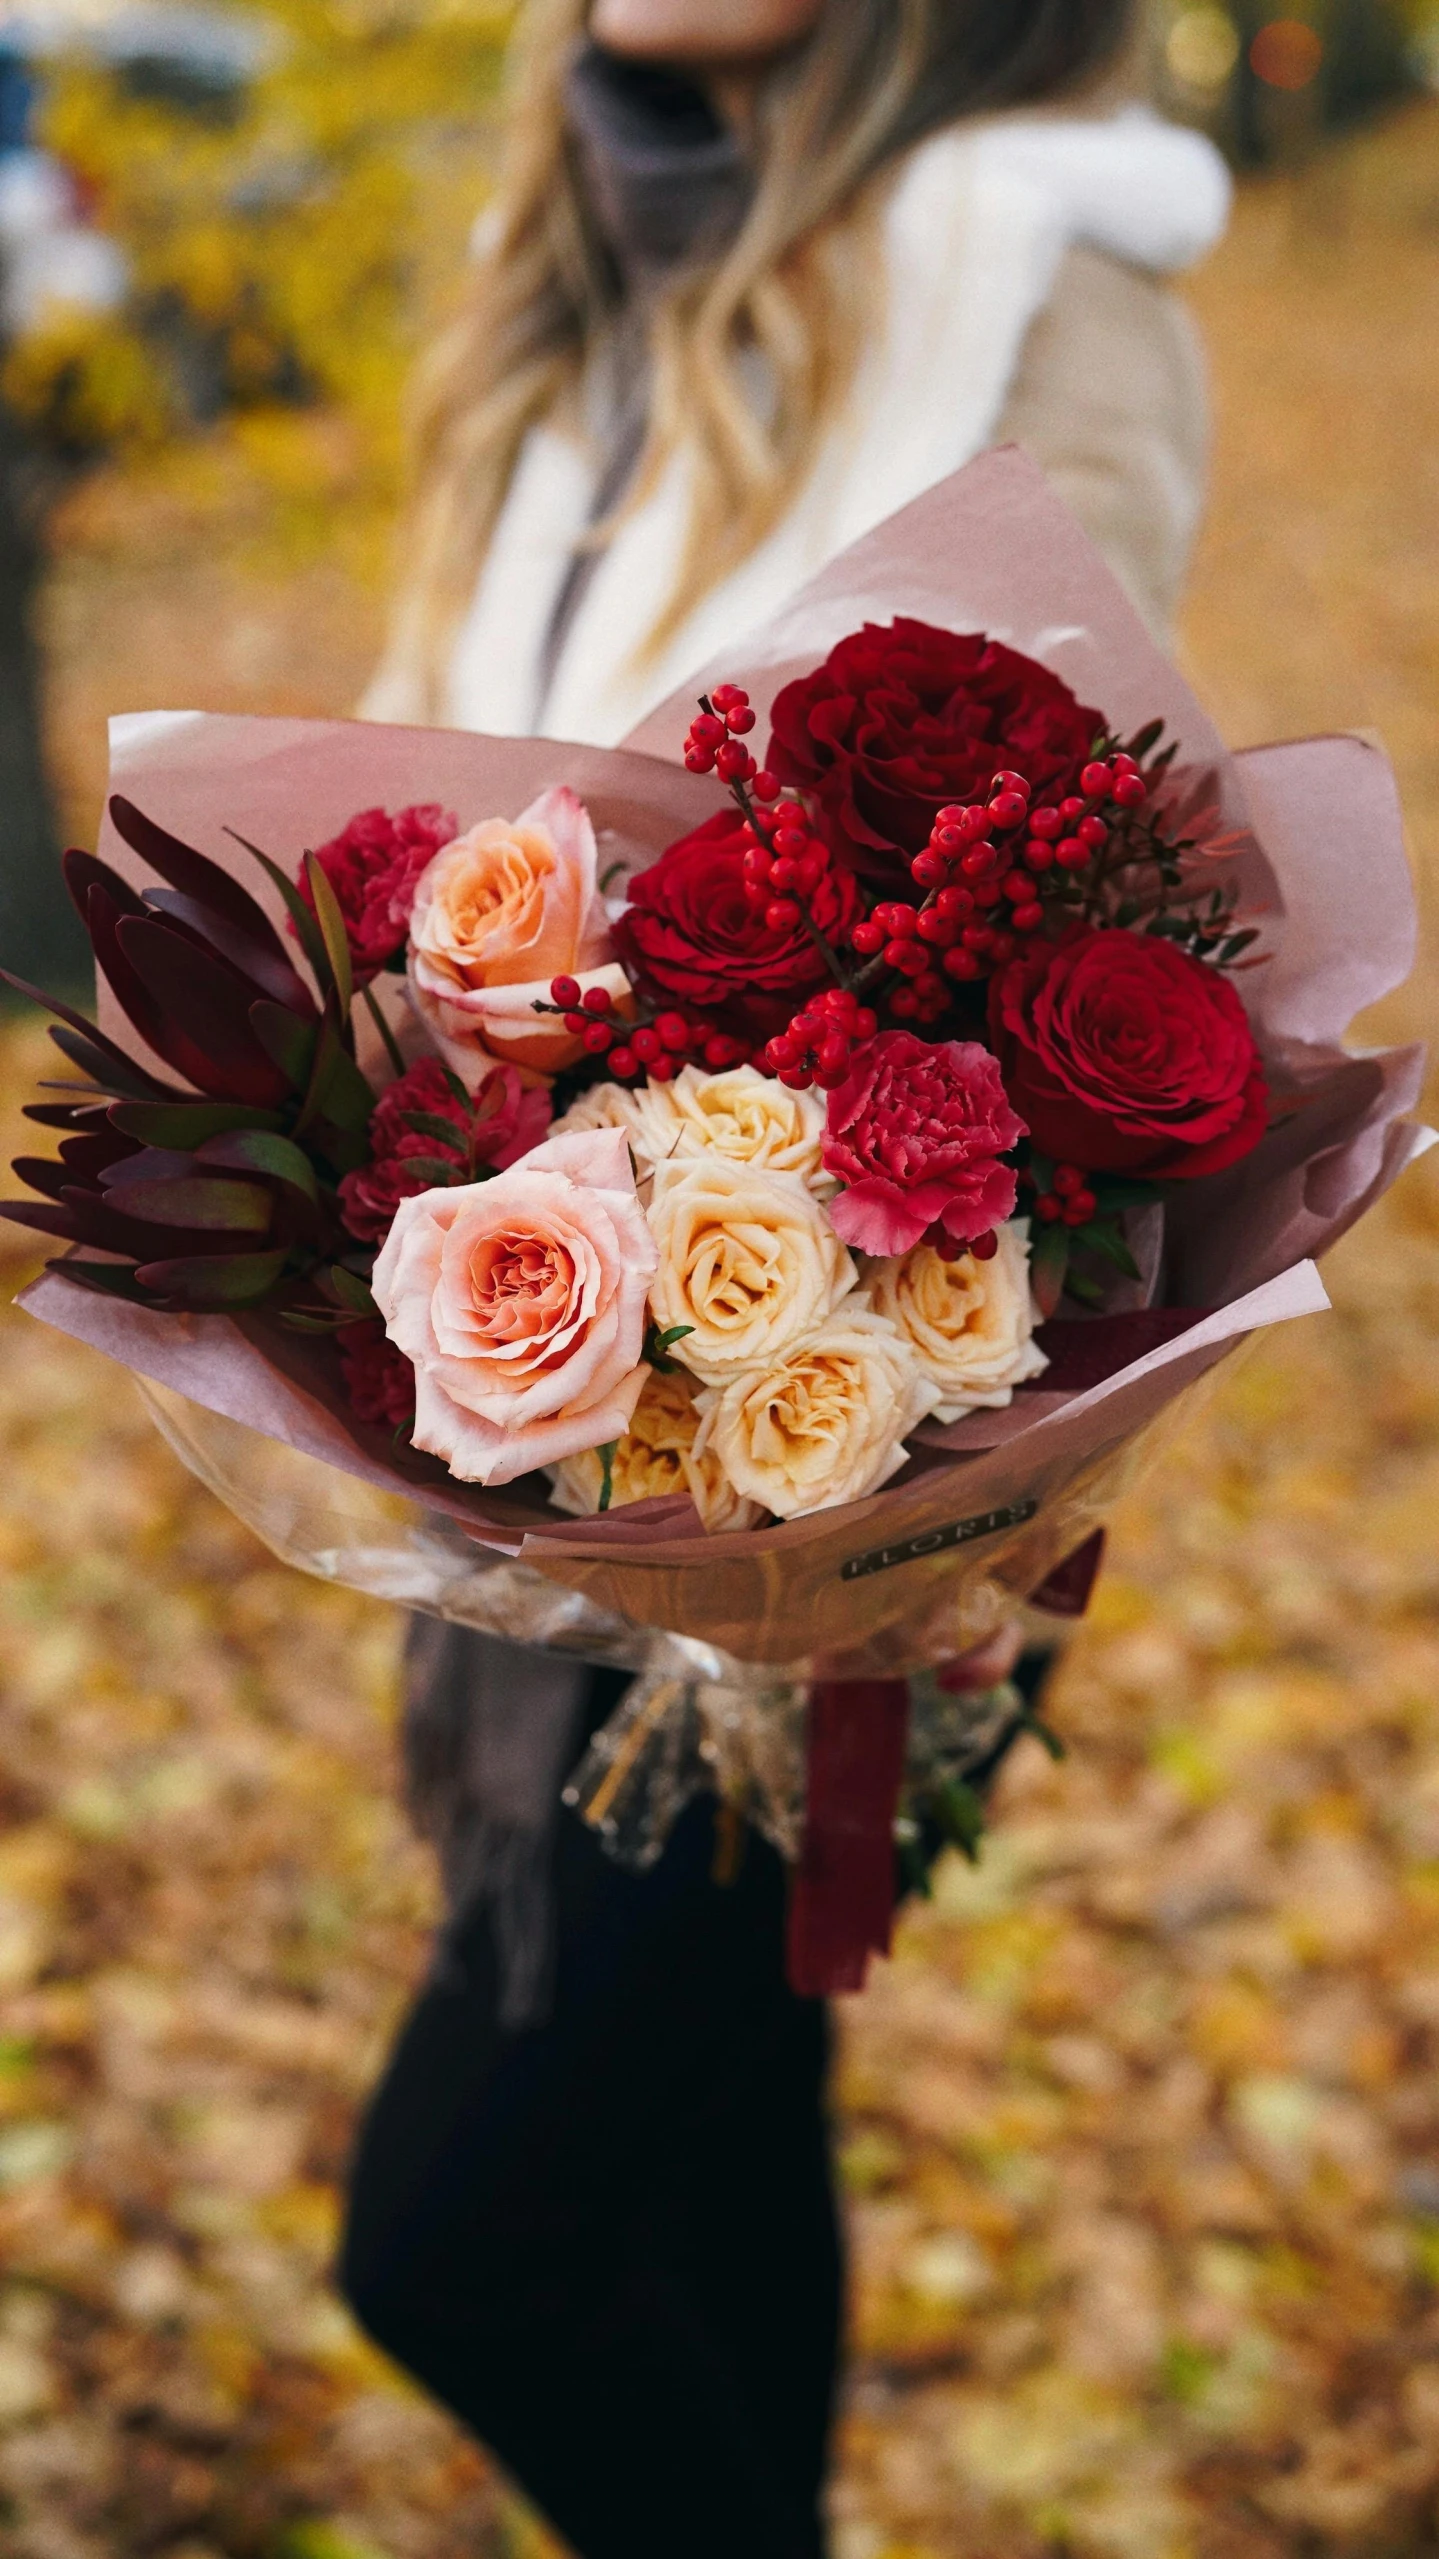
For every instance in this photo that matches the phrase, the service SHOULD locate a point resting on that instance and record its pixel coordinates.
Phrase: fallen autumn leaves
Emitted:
(1140, 2126)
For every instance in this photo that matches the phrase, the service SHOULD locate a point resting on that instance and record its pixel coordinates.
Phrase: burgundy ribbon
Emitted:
(841, 1907)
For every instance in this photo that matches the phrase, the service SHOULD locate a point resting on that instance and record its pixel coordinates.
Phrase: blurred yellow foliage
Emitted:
(88, 380)
(287, 241)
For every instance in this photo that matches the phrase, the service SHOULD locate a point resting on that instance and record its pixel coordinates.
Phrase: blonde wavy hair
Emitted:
(873, 77)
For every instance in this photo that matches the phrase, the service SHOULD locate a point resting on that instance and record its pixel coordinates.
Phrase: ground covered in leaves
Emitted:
(1141, 2127)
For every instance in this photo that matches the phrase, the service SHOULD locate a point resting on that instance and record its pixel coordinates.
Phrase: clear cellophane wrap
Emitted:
(728, 1630)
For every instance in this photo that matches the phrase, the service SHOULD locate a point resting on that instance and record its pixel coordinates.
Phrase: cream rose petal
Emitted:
(821, 1424)
(740, 1114)
(600, 1106)
(653, 1461)
(748, 1261)
(971, 1323)
(722, 1510)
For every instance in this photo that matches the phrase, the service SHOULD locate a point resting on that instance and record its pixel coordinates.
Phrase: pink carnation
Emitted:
(379, 1380)
(373, 868)
(915, 1134)
(504, 1120)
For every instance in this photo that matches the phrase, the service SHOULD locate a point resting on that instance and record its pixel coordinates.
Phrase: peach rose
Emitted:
(497, 915)
(653, 1459)
(823, 1422)
(520, 1303)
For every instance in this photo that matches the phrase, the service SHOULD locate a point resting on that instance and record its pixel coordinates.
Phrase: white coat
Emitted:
(1021, 261)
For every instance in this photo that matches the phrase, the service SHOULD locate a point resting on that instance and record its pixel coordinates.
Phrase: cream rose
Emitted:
(740, 1114)
(601, 1106)
(520, 1303)
(971, 1323)
(653, 1459)
(497, 915)
(823, 1422)
(747, 1261)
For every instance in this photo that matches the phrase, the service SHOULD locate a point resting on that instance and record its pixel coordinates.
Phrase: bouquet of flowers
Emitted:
(749, 1201)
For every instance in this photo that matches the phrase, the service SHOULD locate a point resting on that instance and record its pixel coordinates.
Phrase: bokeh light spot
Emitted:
(1202, 47)
(1286, 54)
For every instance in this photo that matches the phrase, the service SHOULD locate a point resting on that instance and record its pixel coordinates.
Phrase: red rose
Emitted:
(379, 1380)
(915, 1133)
(901, 720)
(503, 1121)
(1126, 1055)
(689, 929)
(373, 868)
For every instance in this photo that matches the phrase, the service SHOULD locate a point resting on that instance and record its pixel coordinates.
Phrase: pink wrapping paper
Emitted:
(985, 1510)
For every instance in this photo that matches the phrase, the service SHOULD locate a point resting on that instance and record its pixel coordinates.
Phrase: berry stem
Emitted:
(740, 793)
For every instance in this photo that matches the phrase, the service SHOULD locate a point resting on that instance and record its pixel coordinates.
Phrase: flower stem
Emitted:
(392, 1046)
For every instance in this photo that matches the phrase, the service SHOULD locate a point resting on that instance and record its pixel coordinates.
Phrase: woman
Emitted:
(759, 271)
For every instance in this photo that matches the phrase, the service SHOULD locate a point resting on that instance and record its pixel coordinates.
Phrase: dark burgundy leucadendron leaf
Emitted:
(213, 1206)
(90, 1154)
(44, 1173)
(86, 1217)
(288, 1042)
(197, 877)
(105, 1054)
(204, 1194)
(84, 872)
(218, 1282)
(187, 1124)
(206, 1006)
(103, 898)
(107, 1279)
(267, 969)
(112, 1073)
(160, 1031)
(65, 1114)
(258, 1151)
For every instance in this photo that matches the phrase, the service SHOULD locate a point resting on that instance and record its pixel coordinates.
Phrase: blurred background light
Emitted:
(1424, 50)
(1286, 54)
(1203, 48)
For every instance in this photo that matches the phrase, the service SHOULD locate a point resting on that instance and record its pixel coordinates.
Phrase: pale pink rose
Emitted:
(521, 1304)
(497, 915)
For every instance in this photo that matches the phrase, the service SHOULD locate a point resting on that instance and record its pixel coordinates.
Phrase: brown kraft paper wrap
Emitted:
(932, 1561)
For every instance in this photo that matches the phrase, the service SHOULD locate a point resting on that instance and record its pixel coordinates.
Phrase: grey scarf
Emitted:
(669, 186)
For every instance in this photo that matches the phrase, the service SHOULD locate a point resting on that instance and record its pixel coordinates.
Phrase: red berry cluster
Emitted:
(962, 929)
(820, 1041)
(1068, 835)
(785, 867)
(658, 1048)
(983, 886)
(1071, 1199)
(713, 744)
